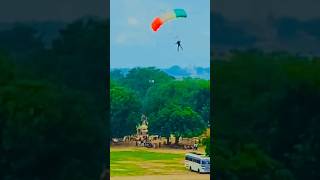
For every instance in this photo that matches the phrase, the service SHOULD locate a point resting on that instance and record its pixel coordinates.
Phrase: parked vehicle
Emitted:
(197, 162)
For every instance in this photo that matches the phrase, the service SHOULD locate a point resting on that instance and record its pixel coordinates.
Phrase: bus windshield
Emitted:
(205, 162)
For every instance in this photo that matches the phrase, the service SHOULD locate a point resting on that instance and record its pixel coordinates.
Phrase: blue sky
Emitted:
(133, 43)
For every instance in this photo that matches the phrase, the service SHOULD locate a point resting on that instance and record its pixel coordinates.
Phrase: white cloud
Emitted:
(133, 21)
(121, 38)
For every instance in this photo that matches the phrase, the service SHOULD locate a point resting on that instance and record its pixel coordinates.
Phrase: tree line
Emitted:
(53, 102)
(266, 116)
(178, 107)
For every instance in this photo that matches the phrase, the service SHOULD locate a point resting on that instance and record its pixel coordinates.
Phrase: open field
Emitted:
(130, 163)
(165, 177)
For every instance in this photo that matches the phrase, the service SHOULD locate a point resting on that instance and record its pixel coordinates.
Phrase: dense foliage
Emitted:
(266, 116)
(125, 108)
(53, 108)
(177, 107)
(53, 103)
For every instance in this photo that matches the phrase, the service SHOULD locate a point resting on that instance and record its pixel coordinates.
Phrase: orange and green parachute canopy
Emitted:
(159, 21)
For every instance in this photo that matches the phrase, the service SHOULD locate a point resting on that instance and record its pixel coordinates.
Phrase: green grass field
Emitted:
(135, 162)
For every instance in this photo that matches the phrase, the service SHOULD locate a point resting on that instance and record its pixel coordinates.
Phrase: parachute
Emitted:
(159, 21)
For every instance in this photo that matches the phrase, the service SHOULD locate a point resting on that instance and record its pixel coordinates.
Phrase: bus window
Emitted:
(196, 161)
(188, 158)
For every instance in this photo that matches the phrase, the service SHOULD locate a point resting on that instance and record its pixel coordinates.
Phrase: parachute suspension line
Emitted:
(161, 20)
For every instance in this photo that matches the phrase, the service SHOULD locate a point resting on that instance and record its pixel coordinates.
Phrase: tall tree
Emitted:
(124, 112)
(179, 121)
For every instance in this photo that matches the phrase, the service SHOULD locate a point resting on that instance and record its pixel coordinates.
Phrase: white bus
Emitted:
(197, 162)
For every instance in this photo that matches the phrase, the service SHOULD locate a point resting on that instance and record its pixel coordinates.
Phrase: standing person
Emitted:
(195, 146)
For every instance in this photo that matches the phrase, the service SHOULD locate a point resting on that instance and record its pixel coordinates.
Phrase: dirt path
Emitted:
(161, 150)
(165, 177)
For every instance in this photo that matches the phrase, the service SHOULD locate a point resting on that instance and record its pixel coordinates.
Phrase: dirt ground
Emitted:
(166, 177)
(162, 150)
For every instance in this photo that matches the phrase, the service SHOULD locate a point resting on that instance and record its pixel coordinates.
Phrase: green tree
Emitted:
(21, 41)
(117, 75)
(189, 92)
(41, 124)
(52, 121)
(7, 69)
(266, 102)
(124, 112)
(206, 142)
(77, 58)
(177, 120)
(141, 79)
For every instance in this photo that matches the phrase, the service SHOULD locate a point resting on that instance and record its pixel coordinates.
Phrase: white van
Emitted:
(197, 162)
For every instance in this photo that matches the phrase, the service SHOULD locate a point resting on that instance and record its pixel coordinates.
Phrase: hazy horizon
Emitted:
(164, 67)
